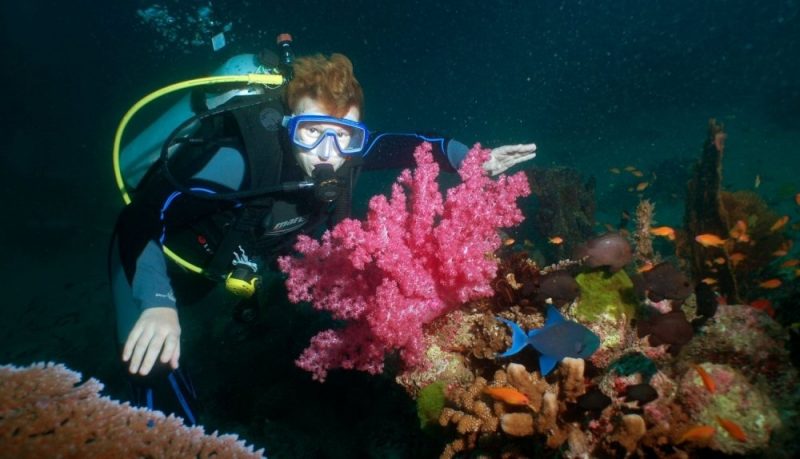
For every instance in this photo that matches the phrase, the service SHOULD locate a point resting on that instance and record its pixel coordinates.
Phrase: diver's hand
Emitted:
(156, 331)
(508, 155)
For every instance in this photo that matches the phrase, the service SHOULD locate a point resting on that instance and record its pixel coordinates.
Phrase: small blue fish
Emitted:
(558, 338)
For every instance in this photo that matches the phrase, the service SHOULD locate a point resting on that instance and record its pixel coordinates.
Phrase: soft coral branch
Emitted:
(415, 258)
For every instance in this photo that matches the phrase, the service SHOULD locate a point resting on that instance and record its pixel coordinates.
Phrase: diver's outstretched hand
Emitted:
(156, 332)
(508, 155)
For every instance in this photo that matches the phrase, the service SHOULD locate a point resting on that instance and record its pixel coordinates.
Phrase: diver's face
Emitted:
(326, 152)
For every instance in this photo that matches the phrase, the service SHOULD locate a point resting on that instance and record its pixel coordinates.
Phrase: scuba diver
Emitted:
(234, 185)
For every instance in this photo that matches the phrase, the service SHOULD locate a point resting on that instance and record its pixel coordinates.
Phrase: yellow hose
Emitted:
(251, 78)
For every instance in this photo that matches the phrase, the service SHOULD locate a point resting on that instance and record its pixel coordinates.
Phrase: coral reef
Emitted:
(415, 258)
(45, 413)
(479, 420)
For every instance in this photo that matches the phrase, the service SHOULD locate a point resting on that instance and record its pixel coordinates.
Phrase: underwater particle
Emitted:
(665, 281)
(643, 393)
(430, 403)
(610, 249)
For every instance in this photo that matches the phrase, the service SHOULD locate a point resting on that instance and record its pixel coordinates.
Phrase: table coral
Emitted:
(44, 412)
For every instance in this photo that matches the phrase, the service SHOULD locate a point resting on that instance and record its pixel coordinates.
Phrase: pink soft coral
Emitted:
(413, 260)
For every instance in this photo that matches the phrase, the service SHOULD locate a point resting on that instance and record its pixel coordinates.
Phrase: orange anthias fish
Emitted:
(797, 199)
(733, 428)
(556, 240)
(708, 381)
(710, 240)
(663, 231)
(647, 266)
(790, 263)
(698, 433)
(771, 283)
(763, 304)
(736, 257)
(507, 395)
(642, 186)
(739, 231)
(779, 223)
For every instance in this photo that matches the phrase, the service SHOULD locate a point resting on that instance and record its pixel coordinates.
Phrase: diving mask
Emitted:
(309, 132)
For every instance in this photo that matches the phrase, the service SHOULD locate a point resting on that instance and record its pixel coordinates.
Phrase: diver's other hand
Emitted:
(156, 332)
(508, 155)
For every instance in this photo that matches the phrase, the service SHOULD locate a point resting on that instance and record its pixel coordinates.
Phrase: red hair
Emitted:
(329, 81)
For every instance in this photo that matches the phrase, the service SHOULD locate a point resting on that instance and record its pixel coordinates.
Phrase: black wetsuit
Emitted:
(196, 228)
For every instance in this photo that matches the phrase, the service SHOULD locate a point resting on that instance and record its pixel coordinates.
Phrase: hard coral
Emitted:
(45, 413)
(737, 401)
(476, 417)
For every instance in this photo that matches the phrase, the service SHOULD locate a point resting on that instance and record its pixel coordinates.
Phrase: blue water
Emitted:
(596, 85)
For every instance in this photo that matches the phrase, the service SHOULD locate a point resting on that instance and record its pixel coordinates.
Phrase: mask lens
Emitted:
(349, 137)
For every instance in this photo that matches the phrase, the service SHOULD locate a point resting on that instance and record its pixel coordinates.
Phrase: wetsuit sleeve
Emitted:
(394, 150)
(151, 286)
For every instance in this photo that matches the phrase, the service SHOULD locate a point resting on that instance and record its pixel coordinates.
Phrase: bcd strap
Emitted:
(259, 125)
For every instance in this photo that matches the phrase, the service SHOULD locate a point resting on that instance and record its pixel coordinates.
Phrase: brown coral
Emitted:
(44, 413)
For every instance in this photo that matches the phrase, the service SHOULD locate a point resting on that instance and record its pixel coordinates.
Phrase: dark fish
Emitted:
(560, 286)
(642, 393)
(706, 300)
(558, 338)
(666, 281)
(610, 249)
(594, 400)
(671, 328)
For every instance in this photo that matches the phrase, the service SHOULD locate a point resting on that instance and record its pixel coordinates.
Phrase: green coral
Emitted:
(430, 403)
(635, 362)
(604, 295)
